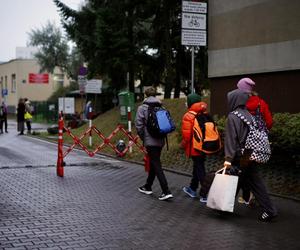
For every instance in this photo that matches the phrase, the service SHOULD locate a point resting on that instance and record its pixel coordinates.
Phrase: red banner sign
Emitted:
(38, 78)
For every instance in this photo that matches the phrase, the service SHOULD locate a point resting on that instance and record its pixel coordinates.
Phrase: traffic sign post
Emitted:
(193, 28)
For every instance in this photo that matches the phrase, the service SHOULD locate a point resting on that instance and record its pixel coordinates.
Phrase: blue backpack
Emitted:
(159, 122)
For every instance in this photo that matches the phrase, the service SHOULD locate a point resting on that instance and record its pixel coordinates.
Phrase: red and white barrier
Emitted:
(133, 140)
(60, 157)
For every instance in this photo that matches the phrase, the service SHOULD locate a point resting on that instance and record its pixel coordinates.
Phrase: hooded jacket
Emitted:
(252, 105)
(187, 128)
(141, 124)
(236, 130)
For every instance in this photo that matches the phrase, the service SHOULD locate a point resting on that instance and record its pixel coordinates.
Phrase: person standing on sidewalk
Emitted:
(195, 106)
(236, 132)
(20, 116)
(1, 119)
(154, 147)
(28, 115)
(4, 117)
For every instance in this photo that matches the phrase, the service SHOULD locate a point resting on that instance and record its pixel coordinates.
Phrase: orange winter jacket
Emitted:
(187, 128)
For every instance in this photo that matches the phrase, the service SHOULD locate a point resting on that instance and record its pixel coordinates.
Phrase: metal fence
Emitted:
(45, 112)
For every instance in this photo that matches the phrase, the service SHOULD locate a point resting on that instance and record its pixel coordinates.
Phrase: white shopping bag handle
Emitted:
(218, 171)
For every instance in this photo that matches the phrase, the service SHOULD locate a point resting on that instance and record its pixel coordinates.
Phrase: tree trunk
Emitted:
(167, 50)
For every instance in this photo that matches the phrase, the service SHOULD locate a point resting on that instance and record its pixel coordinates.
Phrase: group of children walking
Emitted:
(242, 100)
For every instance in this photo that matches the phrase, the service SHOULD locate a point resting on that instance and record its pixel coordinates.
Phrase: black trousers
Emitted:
(198, 172)
(156, 169)
(4, 121)
(1, 125)
(28, 124)
(250, 180)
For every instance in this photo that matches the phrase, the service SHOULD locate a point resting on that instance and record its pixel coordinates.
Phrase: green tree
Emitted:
(53, 49)
(142, 37)
(115, 42)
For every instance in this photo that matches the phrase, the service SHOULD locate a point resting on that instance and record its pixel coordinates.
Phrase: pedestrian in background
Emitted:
(254, 101)
(195, 106)
(154, 147)
(236, 132)
(4, 117)
(20, 116)
(1, 119)
(87, 110)
(28, 115)
(259, 109)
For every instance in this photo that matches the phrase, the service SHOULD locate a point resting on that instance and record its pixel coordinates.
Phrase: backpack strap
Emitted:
(153, 104)
(244, 119)
(192, 133)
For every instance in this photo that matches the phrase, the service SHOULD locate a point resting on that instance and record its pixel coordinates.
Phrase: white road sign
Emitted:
(193, 37)
(66, 104)
(93, 86)
(195, 7)
(82, 82)
(193, 21)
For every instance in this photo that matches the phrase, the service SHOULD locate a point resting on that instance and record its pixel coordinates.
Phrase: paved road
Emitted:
(20, 151)
(97, 206)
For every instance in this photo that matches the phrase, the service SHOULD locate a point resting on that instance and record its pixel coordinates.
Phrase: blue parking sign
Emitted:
(4, 92)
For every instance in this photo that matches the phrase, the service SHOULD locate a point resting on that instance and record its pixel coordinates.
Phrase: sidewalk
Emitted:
(37, 127)
(99, 207)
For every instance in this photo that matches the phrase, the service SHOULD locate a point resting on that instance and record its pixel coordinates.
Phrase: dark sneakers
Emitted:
(162, 197)
(166, 196)
(145, 190)
(266, 217)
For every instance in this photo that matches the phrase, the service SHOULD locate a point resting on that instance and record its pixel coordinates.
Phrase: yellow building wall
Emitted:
(21, 68)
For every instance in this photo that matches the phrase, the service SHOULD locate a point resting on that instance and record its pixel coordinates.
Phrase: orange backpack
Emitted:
(206, 137)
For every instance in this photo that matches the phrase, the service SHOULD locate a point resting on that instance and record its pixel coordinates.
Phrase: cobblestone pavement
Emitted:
(99, 207)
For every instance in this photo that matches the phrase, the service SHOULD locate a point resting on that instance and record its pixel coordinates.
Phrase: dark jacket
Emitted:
(236, 130)
(141, 124)
(21, 112)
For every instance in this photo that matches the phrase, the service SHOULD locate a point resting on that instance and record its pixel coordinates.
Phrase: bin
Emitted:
(126, 99)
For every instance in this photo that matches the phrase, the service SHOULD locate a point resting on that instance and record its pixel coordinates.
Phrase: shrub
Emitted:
(285, 133)
(284, 136)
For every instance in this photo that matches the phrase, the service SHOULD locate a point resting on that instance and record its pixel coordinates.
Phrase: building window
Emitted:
(1, 83)
(5, 82)
(13, 83)
(59, 79)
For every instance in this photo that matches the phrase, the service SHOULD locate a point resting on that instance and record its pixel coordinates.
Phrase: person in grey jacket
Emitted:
(236, 132)
(153, 145)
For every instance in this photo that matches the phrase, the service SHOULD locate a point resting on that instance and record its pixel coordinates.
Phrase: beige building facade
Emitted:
(21, 78)
(259, 39)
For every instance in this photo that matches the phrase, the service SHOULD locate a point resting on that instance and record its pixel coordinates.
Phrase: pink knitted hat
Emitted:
(245, 84)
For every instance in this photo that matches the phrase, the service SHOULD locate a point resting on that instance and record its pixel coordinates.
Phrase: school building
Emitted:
(259, 39)
(20, 78)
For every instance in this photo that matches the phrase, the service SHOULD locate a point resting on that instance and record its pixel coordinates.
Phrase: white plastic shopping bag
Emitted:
(222, 192)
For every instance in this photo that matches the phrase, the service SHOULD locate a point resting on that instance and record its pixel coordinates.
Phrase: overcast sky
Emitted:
(18, 17)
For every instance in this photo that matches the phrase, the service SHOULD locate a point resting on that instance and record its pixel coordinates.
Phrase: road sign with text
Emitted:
(193, 23)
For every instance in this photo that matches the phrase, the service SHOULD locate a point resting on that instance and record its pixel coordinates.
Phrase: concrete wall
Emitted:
(258, 39)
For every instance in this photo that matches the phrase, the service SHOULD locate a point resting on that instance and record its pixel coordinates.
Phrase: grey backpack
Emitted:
(257, 141)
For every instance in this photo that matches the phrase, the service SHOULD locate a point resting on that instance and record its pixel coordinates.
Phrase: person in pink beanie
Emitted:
(254, 102)
(253, 105)
(246, 85)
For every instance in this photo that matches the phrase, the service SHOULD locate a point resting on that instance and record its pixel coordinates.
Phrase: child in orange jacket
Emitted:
(195, 106)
